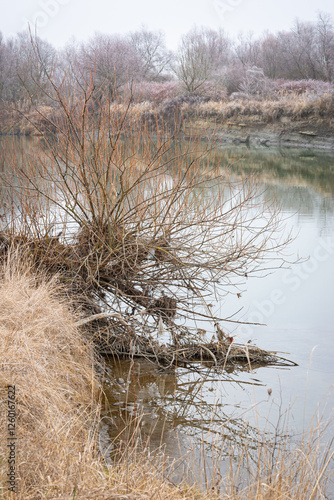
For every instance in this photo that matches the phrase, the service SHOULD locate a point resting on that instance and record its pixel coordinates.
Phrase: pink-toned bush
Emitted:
(213, 91)
(232, 78)
(317, 87)
(156, 92)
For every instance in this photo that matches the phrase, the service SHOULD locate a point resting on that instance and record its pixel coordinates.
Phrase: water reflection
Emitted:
(288, 167)
(195, 409)
(192, 401)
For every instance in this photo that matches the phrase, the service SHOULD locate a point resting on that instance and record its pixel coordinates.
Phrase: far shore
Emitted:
(292, 121)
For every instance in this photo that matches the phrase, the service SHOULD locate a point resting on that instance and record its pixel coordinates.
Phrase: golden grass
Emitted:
(44, 355)
(294, 106)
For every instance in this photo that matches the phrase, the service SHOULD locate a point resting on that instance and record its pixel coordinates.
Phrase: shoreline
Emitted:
(302, 134)
(285, 132)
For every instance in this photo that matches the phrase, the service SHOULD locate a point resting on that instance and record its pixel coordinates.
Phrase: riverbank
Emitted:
(293, 121)
(303, 134)
(52, 380)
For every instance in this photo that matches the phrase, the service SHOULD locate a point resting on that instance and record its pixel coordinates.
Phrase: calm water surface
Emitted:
(187, 410)
(204, 413)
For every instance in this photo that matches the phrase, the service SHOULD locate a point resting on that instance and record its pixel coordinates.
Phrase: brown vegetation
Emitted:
(57, 402)
(141, 227)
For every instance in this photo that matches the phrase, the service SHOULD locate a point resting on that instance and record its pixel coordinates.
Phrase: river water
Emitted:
(202, 413)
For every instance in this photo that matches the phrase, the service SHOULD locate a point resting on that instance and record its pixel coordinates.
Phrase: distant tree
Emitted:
(23, 69)
(325, 46)
(201, 57)
(112, 60)
(304, 52)
(269, 58)
(247, 50)
(151, 48)
(3, 61)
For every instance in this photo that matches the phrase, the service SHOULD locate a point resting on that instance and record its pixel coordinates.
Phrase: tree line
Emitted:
(206, 63)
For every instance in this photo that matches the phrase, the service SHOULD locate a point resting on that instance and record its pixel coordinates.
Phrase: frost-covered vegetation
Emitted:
(207, 66)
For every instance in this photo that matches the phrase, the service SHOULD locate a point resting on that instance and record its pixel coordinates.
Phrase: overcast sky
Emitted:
(60, 20)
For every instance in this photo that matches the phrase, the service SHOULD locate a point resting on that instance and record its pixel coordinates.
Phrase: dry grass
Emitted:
(294, 106)
(57, 393)
(43, 354)
(282, 468)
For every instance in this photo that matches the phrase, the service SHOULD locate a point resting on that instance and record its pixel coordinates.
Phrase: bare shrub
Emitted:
(134, 219)
(255, 83)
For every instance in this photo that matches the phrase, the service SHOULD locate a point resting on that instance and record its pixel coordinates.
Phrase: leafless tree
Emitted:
(112, 60)
(201, 56)
(151, 48)
(247, 50)
(325, 46)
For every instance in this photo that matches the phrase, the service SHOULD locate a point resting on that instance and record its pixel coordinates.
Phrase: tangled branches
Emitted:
(142, 227)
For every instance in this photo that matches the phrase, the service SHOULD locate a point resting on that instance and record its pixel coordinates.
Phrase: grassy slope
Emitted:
(57, 392)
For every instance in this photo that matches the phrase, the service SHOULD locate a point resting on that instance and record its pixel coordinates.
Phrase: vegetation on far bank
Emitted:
(288, 75)
(310, 112)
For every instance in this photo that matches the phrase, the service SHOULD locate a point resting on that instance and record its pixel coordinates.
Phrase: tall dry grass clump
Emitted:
(43, 354)
(281, 466)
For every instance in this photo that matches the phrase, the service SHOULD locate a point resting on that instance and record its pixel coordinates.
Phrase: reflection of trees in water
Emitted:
(165, 406)
(289, 167)
(294, 175)
(303, 181)
(306, 203)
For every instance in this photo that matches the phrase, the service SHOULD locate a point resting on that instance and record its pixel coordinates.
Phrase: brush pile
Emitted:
(126, 334)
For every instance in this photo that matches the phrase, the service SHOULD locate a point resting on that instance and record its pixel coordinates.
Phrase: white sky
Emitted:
(60, 20)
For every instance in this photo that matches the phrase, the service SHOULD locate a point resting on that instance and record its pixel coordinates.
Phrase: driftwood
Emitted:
(221, 353)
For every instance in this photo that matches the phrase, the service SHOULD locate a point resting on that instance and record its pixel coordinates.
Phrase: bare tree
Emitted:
(111, 60)
(325, 46)
(270, 58)
(247, 50)
(151, 48)
(29, 67)
(201, 56)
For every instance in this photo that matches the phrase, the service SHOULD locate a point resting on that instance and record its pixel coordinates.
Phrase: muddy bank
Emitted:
(249, 127)
(313, 133)
(304, 134)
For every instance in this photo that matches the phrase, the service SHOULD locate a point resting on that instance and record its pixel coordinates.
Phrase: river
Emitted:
(202, 413)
